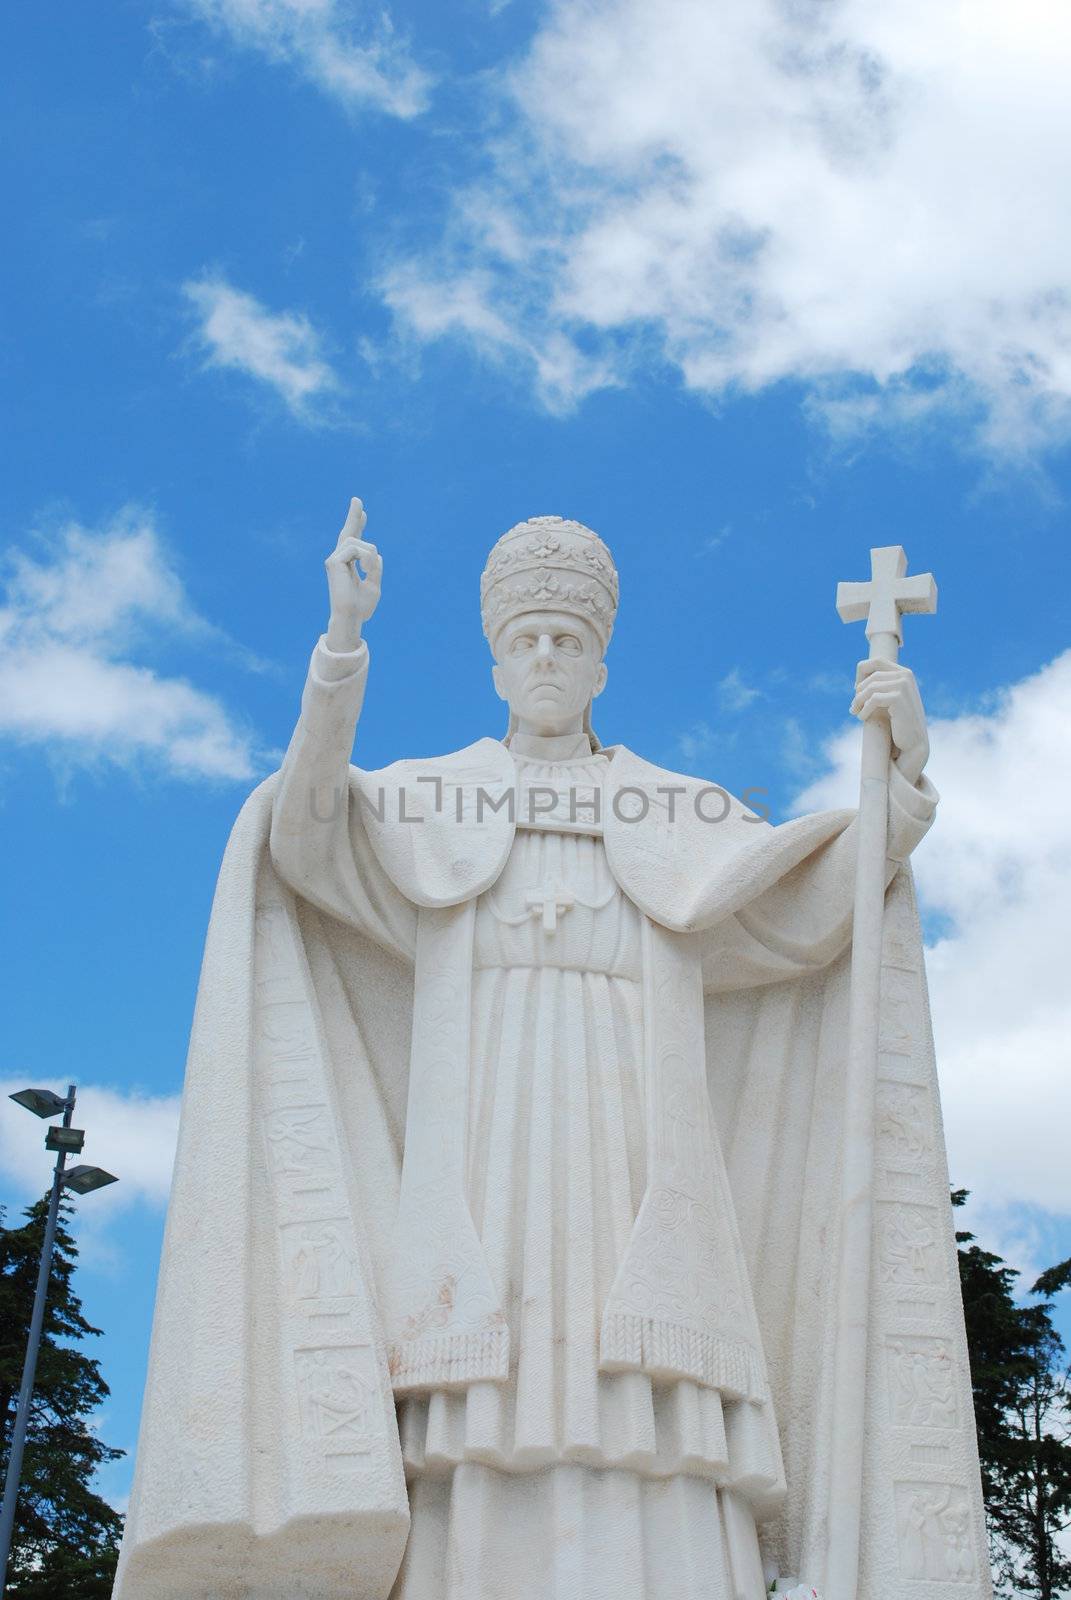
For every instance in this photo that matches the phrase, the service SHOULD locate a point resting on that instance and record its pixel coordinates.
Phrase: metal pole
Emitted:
(29, 1369)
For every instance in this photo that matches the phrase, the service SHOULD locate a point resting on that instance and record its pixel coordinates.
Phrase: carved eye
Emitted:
(522, 644)
(569, 644)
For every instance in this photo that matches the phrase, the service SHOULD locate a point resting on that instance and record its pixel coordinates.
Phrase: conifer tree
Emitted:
(1022, 1405)
(66, 1537)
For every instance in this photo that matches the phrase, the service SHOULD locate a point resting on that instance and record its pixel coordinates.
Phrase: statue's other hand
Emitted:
(353, 597)
(883, 689)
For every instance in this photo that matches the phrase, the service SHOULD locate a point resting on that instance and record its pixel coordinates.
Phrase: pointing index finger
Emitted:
(356, 517)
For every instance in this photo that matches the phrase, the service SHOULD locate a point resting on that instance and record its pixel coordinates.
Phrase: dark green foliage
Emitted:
(66, 1537)
(1022, 1404)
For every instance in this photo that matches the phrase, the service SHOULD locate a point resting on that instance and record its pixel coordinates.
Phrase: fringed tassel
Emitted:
(435, 1361)
(634, 1343)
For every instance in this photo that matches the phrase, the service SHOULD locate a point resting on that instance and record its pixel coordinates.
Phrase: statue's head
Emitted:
(548, 597)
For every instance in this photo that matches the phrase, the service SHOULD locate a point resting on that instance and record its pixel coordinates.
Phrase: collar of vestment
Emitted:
(685, 851)
(557, 747)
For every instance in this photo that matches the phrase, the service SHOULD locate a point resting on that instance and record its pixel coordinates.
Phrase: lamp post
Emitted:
(65, 1141)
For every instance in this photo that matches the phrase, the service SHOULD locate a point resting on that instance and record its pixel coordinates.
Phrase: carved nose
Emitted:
(544, 647)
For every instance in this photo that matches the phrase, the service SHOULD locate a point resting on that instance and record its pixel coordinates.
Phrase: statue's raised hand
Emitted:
(353, 597)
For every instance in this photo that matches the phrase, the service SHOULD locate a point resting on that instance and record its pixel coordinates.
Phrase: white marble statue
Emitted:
(501, 1261)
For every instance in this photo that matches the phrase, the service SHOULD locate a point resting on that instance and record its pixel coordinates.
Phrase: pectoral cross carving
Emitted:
(549, 902)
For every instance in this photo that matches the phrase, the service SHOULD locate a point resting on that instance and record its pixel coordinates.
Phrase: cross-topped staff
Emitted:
(881, 602)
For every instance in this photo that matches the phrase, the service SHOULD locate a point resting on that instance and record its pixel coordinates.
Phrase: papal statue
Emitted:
(504, 1257)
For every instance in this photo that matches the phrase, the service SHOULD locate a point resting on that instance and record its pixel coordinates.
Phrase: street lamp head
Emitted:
(69, 1139)
(42, 1102)
(83, 1180)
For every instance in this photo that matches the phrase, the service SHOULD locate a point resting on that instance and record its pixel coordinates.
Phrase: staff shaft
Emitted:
(857, 1175)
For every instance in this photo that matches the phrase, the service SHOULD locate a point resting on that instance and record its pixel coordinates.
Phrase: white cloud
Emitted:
(130, 1135)
(734, 694)
(996, 872)
(349, 51)
(867, 198)
(281, 349)
(72, 621)
(696, 743)
(561, 373)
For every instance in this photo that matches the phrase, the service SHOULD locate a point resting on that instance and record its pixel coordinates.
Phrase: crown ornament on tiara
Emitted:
(549, 564)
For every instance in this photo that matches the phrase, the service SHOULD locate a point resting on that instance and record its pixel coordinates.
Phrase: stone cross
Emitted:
(890, 592)
(550, 901)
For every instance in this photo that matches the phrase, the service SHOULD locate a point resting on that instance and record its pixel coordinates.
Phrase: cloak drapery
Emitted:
(269, 1462)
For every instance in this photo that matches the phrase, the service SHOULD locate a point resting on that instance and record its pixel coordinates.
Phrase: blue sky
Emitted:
(746, 289)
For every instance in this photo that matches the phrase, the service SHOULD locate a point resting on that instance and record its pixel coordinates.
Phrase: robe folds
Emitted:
(508, 1171)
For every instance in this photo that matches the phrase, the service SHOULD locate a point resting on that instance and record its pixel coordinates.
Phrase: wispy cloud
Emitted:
(74, 621)
(734, 694)
(279, 348)
(349, 51)
(714, 541)
(866, 199)
(696, 743)
(996, 872)
(464, 307)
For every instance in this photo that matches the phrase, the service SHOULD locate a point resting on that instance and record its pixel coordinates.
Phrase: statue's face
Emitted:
(548, 666)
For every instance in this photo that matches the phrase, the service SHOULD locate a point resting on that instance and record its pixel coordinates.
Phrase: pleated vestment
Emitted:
(523, 1488)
